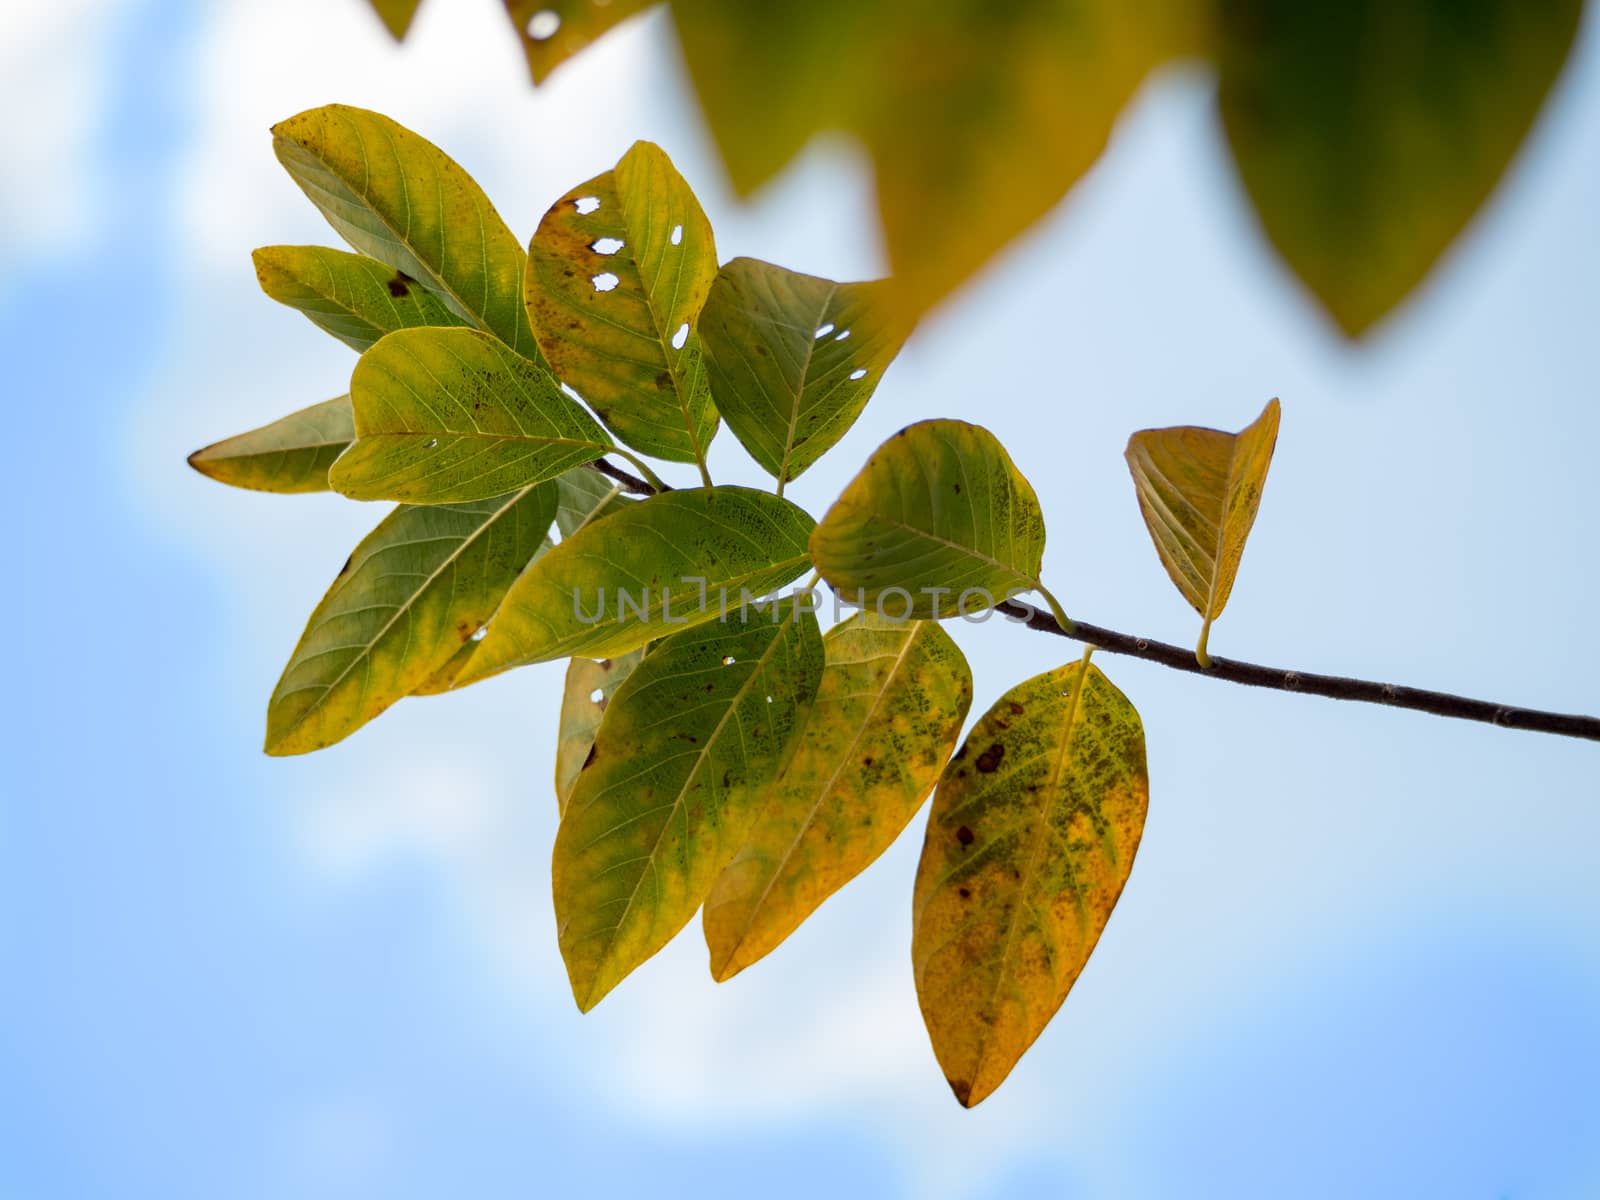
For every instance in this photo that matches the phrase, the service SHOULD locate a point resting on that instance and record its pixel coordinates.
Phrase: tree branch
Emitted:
(629, 481)
(1335, 687)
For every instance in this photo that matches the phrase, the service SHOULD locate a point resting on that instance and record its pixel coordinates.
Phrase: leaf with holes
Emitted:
(688, 747)
(396, 15)
(938, 522)
(1032, 835)
(290, 455)
(398, 198)
(588, 690)
(792, 359)
(355, 298)
(1368, 134)
(449, 415)
(887, 714)
(1199, 490)
(416, 588)
(617, 274)
(552, 31)
(650, 569)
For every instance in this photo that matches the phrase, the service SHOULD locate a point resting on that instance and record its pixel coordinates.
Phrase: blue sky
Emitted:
(1360, 950)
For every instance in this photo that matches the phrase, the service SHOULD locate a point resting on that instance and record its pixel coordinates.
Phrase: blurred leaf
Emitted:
(355, 298)
(552, 31)
(617, 274)
(1031, 837)
(396, 14)
(416, 588)
(940, 508)
(450, 415)
(792, 359)
(290, 455)
(887, 714)
(586, 495)
(1369, 133)
(700, 549)
(398, 198)
(688, 747)
(588, 690)
(978, 117)
(1199, 490)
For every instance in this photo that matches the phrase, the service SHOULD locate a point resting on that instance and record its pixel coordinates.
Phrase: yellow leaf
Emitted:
(1032, 835)
(888, 711)
(552, 31)
(290, 455)
(588, 690)
(1199, 490)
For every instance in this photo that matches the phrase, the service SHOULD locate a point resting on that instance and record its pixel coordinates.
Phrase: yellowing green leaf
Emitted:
(396, 14)
(1031, 837)
(416, 588)
(650, 569)
(552, 31)
(792, 359)
(588, 690)
(617, 273)
(450, 415)
(355, 298)
(1368, 133)
(398, 198)
(887, 714)
(938, 522)
(689, 744)
(292, 454)
(1199, 490)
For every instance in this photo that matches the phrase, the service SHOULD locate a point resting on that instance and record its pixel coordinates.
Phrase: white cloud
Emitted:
(52, 82)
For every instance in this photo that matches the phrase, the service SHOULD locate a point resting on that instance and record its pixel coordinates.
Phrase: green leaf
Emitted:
(588, 689)
(617, 274)
(1031, 837)
(689, 744)
(793, 359)
(396, 15)
(587, 495)
(978, 117)
(1199, 490)
(290, 455)
(1369, 133)
(398, 198)
(887, 714)
(355, 298)
(939, 522)
(684, 557)
(449, 415)
(416, 588)
(552, 31)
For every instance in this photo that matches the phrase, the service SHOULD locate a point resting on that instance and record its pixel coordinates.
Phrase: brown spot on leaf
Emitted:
(664, 381)
(1016, 709)
(965, 836)
(990, 758)
(962, 1089)
(961, 753)
(965, 893)
(400, 285)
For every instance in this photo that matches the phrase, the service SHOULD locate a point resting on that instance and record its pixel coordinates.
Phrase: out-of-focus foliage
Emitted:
(1367, 134)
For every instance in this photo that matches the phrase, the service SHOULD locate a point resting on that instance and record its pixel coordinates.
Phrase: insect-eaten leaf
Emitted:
(1368, 133)
(290, 455)
(653, 568)
(552, 31)
(688, 747)
(888, 711)
(1031, 838)
(793, 359)
(617, 274)
(452, 415)
(416, 589)
(398, 198)
(355, 298)
(588, 689)
(939, 523)
(1199, 490)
